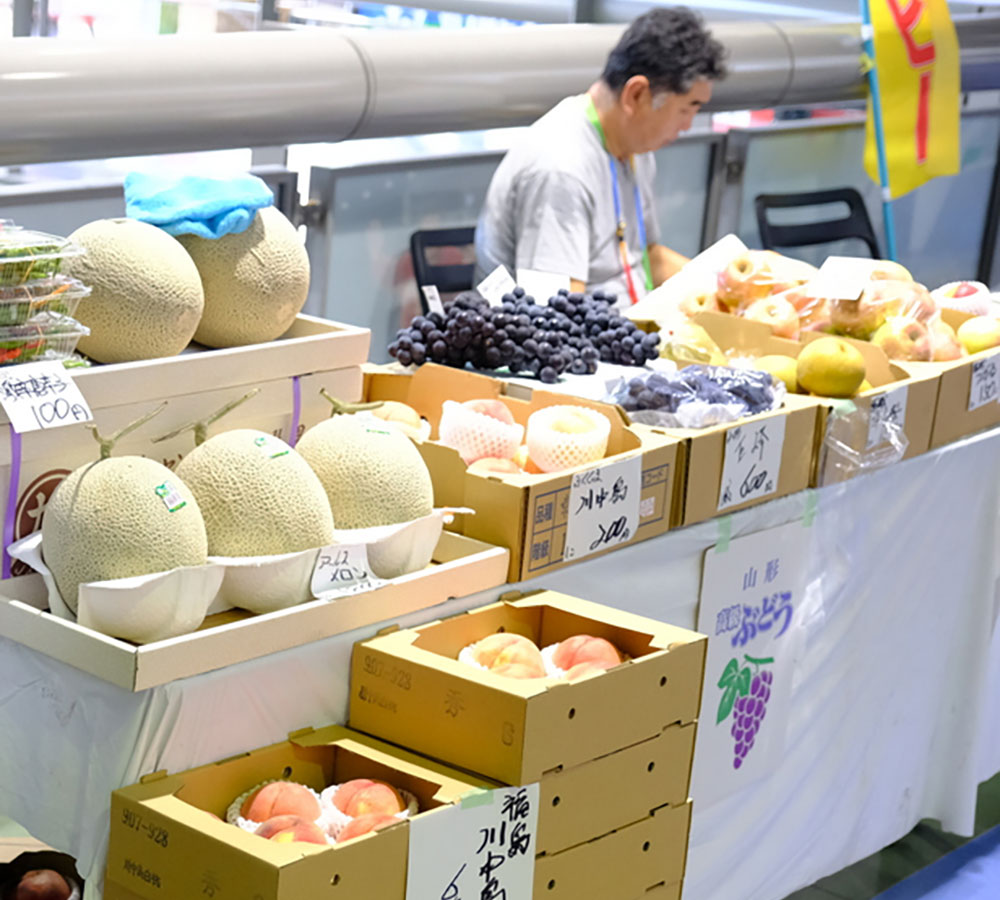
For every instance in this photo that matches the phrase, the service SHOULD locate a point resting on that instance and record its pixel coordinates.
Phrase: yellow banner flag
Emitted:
(919, 76)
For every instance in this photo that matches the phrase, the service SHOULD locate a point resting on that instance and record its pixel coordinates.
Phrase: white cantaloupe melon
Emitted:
(372, 472)
(257, 495)
(255, 282)
(147, 297)
(117, 518)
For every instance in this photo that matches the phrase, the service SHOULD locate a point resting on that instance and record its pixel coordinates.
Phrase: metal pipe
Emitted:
(92, 99)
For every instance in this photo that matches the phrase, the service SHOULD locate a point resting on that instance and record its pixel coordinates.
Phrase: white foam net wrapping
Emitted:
(476, 435)
(553, 451)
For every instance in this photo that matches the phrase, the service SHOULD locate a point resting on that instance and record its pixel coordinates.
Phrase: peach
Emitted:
(42, 884)
(404, 417)
(281, 798)
(290, 829)
(904, 339)
(365, 825)
(523, 459)
(487, 650)
(778, 314)
(492, 465)
(583, 648)
(363, 796)
(525, 669)
(492, 408)
(583, 670)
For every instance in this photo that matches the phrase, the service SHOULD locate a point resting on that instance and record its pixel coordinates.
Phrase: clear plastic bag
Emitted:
(697, 396)
(854, 443)
(757, 275)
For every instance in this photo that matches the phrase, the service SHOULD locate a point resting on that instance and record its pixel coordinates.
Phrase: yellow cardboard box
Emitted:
(164, 843)
(527, 513)
(408, 687)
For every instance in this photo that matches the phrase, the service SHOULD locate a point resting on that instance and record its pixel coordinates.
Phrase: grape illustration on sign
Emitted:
(745, 692)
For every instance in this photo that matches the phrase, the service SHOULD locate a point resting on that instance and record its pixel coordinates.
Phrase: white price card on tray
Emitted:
(888, 412)
(483, 846)
(842, 278)
(985, 384)
(541, 285)
(41, 395)
(495, 285)
(433, 298)
(342, 570)
(752, 462)
(604, 507)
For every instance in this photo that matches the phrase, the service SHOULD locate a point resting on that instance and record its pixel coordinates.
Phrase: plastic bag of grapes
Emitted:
(696, 396)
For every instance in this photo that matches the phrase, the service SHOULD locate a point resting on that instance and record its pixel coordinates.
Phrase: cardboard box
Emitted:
(624, 865)
(409, 687)
(313, 354)
(24, 854)
(163, 843)
(461, 566)
(596, 798)
(953, 419)
(527, 513)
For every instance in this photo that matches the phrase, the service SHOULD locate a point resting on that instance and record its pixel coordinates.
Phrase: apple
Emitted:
(693, 304)
(944, 342)
(979, 333)
(860, 318)
(777, 313)
(971, 297)
(964, 289)
(887, 270)
(746, 279)
(816, 316)
(904, 339)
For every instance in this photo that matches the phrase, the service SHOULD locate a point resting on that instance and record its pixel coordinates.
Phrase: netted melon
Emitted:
(117, 518)
(255, 282)
(147, 297)
(372, 472)
(257, 495)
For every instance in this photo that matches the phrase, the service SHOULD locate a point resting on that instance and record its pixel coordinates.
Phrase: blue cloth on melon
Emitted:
(206, 206)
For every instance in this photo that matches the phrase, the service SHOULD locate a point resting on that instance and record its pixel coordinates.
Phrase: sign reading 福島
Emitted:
(751, 598)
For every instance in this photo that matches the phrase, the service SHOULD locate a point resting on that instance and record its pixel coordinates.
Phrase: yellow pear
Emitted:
(979, 333)
(830, 367)
(781, 367)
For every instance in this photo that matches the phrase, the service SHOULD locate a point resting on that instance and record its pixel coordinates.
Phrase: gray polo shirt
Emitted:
(550, 205)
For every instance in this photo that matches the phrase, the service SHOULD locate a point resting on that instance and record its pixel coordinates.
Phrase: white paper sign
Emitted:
(541, 285)
(342, 570)
(752, 461)
(41, 395)
(483, 847)
(752, 596)
(842, 278)
(495, 285)
(888, 412)
(985, 384)
(433, 298)
(603, 507)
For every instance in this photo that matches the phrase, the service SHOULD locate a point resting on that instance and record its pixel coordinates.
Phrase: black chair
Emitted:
(856, 224)
(449, 278)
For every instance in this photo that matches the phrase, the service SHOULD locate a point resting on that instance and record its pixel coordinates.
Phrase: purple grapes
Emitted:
(749, 713)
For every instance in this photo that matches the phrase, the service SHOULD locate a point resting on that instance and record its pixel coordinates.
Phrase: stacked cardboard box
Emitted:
(612, 753)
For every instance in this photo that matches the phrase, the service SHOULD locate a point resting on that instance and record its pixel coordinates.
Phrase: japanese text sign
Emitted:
(604, 507)
(752, 463)
(341, 570)
(481, 849)
(41, 395)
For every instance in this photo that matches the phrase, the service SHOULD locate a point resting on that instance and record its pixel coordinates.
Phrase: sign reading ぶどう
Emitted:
(752, 593)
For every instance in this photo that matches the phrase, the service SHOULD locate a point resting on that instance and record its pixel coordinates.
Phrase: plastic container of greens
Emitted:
(47, 336)
(21, 302)
(27, 256)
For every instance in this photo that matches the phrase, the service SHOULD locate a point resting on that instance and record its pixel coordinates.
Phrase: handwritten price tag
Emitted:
(484, 847)
(752, 462)
(342, 570)
(41, 395)
(433, 298)
(888, 412)
(495, 285)
(985, 385)
(603, 507)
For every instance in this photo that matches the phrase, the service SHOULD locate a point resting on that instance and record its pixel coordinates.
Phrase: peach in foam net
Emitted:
(479, 428)
(561, 437)
(364, 796)
(280, 798)
(291, 829)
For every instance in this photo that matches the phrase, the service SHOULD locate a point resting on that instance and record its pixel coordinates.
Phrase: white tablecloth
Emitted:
(895, 711)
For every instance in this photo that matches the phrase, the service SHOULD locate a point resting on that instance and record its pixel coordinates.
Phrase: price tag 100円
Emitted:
(41, 395)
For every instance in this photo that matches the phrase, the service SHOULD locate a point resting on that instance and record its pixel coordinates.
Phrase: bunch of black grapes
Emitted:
(572, 333)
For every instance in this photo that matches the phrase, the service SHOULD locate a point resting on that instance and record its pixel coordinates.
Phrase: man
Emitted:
(575, 196)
